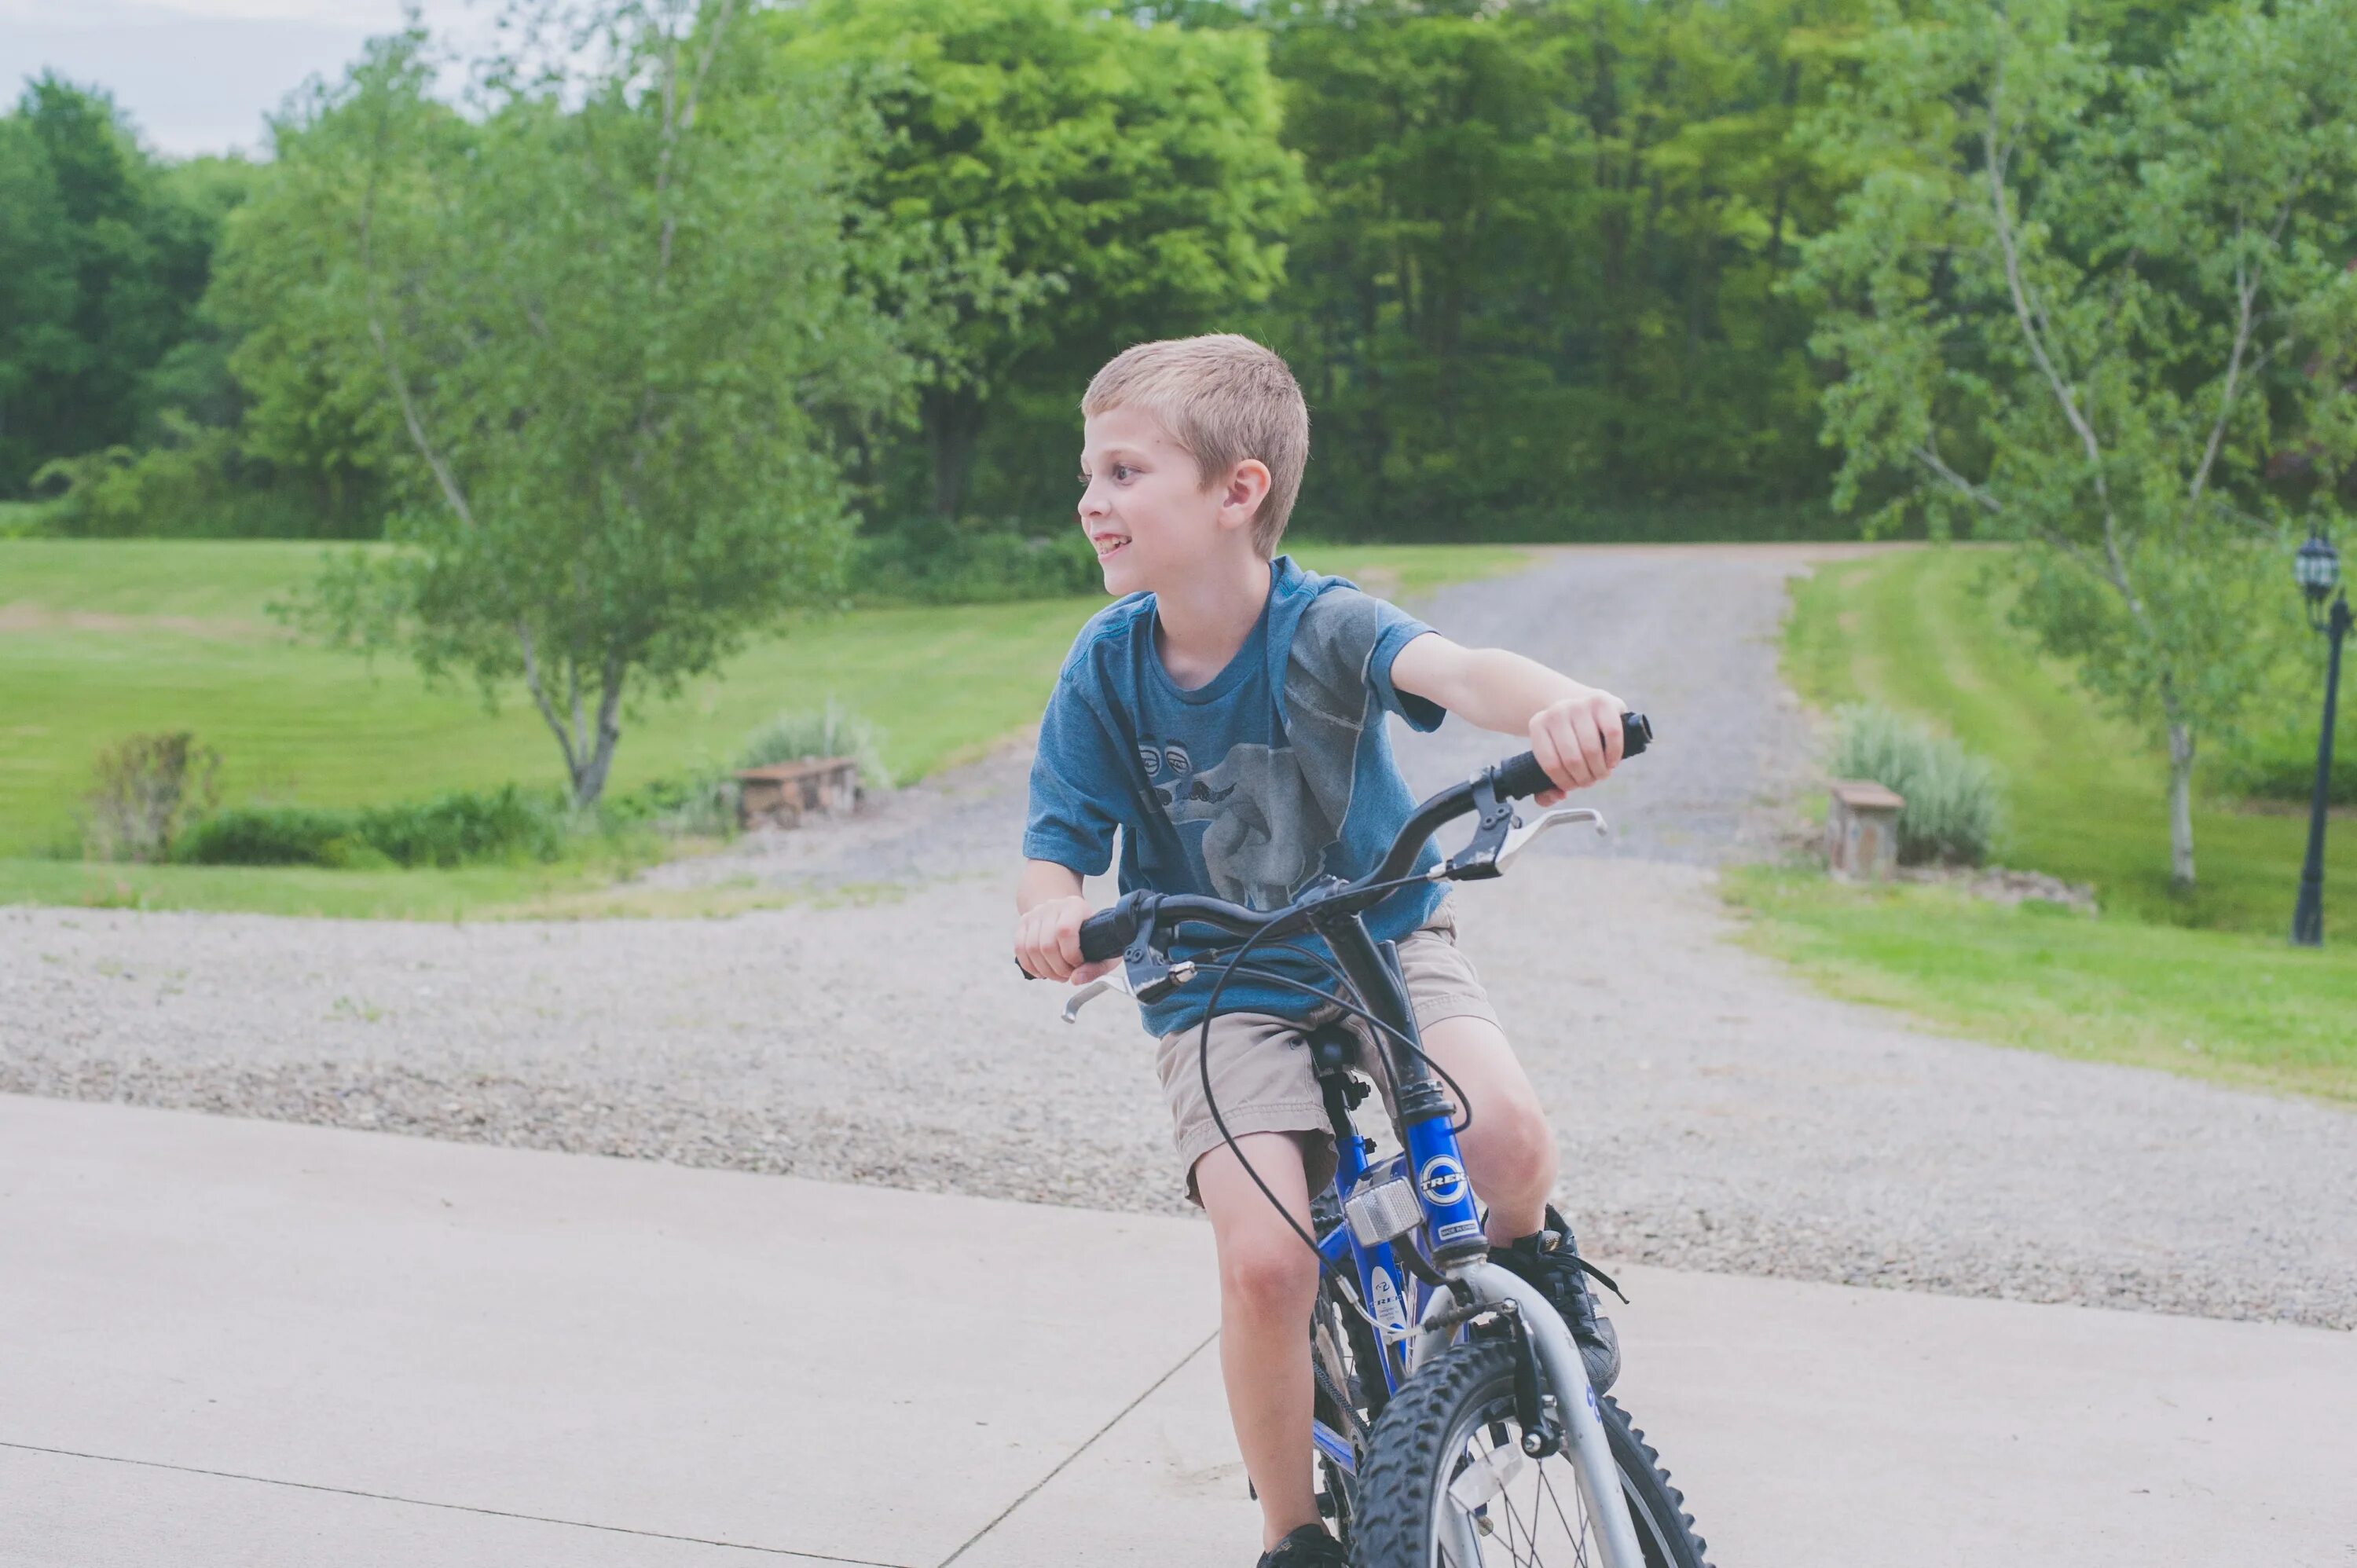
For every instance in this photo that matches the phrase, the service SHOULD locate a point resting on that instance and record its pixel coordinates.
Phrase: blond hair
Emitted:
(1225, 398)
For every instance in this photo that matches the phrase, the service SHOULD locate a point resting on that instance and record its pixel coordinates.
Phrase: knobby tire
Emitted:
(1416, 1448)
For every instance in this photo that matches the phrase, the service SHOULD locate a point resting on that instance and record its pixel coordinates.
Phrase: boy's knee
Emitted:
(1268, 1274)
(1521, 1150)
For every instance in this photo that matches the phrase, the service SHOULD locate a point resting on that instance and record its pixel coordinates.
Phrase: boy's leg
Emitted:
(1510, 1153)
(1268, 1283)
(1510, 1157)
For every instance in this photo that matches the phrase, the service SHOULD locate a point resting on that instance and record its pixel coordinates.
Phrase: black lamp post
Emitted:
(2318, 568)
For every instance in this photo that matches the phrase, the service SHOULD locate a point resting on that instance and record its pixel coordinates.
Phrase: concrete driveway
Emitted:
(231, 1342)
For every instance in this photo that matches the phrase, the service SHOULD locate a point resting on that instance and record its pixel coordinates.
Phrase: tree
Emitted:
(38, 345)
(1085, 180)
(608, 320)
(2078, 305)
(104, 256)
(313, 408)
(1542, 270)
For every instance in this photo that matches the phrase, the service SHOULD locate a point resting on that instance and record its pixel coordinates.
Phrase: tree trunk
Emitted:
(2181, 805)
(952, 423)
(590, 781)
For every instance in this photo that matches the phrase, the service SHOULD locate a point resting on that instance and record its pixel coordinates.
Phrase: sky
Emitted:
(199, 76)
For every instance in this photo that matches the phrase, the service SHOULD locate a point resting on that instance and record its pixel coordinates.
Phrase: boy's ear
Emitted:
(1247, 485)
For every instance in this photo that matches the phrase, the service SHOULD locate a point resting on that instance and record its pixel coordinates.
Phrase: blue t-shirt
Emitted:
(1277, 770)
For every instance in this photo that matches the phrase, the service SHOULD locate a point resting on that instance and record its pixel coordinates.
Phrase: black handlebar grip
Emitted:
(1520, 775)
(1105, 933)
(1636, 734)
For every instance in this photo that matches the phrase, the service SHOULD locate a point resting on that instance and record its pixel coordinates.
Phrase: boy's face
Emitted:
(1146, 509)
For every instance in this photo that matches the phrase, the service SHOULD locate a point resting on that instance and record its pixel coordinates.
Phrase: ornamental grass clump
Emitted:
(832, 731)
(147, 791)
(1954, 802)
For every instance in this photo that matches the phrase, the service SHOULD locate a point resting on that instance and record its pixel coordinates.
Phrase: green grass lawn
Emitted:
(2202, 982)
(2247, 1009)
(2086, 798)
(103, 639)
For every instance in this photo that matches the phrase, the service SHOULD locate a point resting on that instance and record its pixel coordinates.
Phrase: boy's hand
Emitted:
(1576, 740)
(1048, 941)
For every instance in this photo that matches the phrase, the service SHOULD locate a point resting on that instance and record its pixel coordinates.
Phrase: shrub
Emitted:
(506, 823)
(702, 804)
(457, 829)
(833, 731)
(928, 565)
(2281, 766)
(196, 482)
(1955, 803)
(149, 788)
(270, 835)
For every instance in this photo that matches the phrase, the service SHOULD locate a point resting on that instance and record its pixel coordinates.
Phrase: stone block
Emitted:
(1862, 831)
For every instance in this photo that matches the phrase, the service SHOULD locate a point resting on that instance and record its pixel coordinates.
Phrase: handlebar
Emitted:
(1108, 932)
(1522, 776)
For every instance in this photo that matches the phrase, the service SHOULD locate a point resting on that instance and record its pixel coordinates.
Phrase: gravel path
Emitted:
(1714, 1112)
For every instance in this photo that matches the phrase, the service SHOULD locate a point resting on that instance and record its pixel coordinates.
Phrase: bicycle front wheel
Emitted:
(1446, 1484)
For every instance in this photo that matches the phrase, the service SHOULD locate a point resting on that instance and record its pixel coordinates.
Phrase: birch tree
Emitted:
(609, 316)
(2078, 305)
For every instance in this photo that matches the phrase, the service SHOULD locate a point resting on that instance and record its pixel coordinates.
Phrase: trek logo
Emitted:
(1442, 1180)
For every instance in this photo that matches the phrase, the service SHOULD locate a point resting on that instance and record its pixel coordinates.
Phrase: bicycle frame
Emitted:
(1450, 1234)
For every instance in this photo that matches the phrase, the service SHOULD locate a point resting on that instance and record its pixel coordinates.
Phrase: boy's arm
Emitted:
(1574, 730)
(1077, 781)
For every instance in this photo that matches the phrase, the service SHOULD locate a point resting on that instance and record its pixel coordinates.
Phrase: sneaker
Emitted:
(1550, 1260)
(1308, 1547)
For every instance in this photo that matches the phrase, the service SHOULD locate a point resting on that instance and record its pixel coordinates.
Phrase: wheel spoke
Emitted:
(1512, 1518)
(1578, 1536)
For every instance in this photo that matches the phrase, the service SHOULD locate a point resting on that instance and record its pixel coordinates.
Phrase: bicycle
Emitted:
(1445, 1385)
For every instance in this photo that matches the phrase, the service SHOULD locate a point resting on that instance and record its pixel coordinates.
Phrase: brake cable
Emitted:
(1203, 1069)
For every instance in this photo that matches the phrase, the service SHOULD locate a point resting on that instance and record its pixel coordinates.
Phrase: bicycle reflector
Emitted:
(1379, 1212)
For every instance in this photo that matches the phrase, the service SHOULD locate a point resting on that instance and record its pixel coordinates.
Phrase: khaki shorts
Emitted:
(1259, 1065)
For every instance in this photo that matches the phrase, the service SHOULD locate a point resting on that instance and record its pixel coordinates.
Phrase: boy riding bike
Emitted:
(1226, 715)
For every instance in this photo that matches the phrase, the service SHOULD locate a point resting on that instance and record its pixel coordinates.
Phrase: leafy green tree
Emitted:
(1080, 180)
(192, 377)
(137, 254)
(1543, 273)
(39, 348)
(104, 256)
(311, 407)
(608, 322)
(2080, 305)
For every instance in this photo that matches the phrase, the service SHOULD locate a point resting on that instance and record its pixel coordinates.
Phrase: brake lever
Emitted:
(1519, 839)
(1085, 994)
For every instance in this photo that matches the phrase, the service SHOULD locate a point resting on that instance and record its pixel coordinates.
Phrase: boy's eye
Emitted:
(1121, 471)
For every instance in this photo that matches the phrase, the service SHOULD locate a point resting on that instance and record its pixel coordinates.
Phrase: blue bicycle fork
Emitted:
(1450, 1227)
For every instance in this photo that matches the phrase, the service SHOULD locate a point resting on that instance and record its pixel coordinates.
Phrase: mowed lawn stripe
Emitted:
(104, 639)
(2087, 795)
(2154, 980)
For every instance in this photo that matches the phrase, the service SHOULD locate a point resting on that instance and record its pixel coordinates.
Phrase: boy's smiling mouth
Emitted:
(1108, 545)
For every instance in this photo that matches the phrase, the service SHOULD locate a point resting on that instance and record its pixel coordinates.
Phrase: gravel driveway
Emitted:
(1714, 1112)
